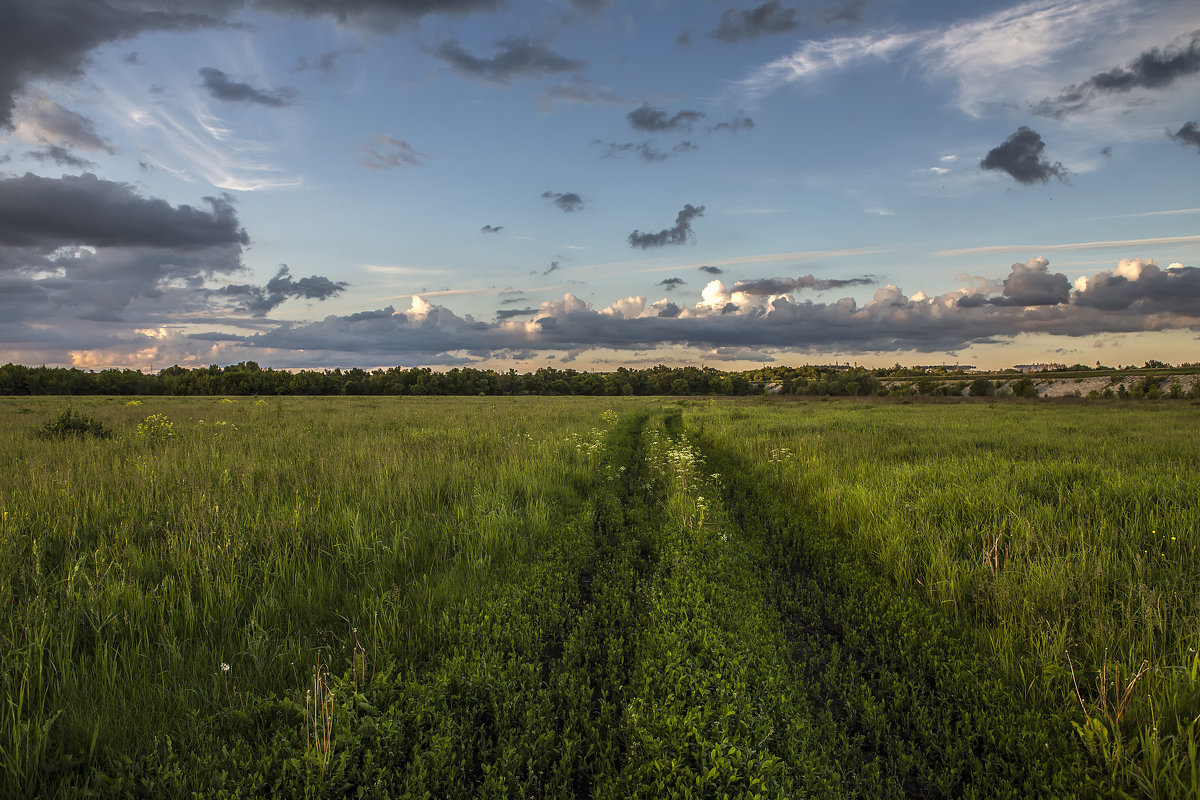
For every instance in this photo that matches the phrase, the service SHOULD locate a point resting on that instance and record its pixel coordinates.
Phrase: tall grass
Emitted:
(1063, 538)
(231, 547)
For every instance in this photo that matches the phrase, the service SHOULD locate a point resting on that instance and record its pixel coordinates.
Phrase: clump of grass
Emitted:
(72, 424)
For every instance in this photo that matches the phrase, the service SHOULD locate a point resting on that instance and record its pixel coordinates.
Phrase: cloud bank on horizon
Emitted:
(167, 173)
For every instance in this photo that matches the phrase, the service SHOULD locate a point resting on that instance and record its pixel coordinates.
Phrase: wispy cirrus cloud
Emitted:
(1003, 59)
(1124, 244)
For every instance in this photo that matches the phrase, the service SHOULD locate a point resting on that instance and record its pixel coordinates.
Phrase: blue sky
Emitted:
(598, 183)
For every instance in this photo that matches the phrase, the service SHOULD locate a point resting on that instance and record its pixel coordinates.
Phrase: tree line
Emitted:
(248, 378)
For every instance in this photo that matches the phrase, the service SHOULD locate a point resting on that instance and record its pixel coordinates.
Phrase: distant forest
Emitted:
(248, 378)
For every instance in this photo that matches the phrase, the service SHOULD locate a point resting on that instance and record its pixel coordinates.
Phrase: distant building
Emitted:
(1037, 367)
(960, 368)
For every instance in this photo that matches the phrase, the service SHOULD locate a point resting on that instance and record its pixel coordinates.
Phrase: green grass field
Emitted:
(590, 597)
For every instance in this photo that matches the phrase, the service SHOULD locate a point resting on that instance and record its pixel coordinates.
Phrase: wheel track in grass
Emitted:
(905, 704)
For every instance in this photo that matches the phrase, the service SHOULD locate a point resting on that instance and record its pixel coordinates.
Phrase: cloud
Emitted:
(654, 120)
(260, 301)
(516, 56)
(326, 62)
(671, 283)
(509, 313)
(43, 120)
(680, 233)
(769, 18)
(223, 88)
(590, 6)
(81, 248)
(491, 229)
(1125, 244)
(383, 151)
(50, 39)
(1020, 156)
(711, 270)
(1032, 284)
(569, 202)
(1135, 296)
(815, 58)
(646, 151)
(1188, 134)
(580, 90)
(61, 156)
(738, 123)
(774, 286)
(1140, 286)
(554, 267)
(375, 15)
(85, 210)
(1153, 69)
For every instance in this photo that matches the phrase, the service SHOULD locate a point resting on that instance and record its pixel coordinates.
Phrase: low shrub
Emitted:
(70, 423)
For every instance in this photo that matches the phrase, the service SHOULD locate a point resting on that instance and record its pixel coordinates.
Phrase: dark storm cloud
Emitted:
(509, 313)
(83, 209)
(261, 300)
(738, 123)
(491, 229)
(326, 62)
(671, 283)
(516, 56)
(1020, 156)
(61, 156)
(223, 88)
(1153, 69)
(654, 120)
(81, 248)
(50, 39)
(712, 270)
(680, 233)
(1032, 284)
(1188, 134)
(569, 202)
(1145, 288)
(769, 286)
(669, 311)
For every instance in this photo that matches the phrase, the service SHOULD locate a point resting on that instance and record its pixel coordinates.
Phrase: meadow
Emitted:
(599, 597)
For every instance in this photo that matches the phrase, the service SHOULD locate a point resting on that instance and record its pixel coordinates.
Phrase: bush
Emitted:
(981, 387)
(1024, 388)
(70, 423)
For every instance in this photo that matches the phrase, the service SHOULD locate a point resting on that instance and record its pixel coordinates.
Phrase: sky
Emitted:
(589, 184)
